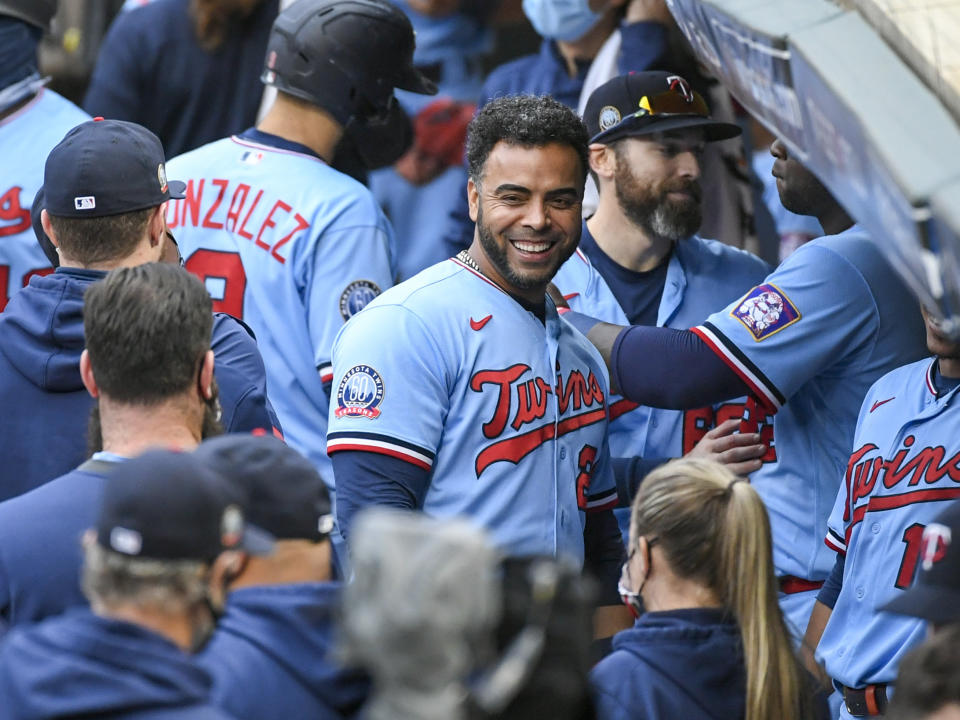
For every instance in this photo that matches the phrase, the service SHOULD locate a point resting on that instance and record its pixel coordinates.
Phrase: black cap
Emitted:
(283, 492)
(166, 505)
(106, 167)
(641, 103)
(935, 593)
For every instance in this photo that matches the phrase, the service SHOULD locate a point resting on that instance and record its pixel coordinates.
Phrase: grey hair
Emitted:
(111, 579)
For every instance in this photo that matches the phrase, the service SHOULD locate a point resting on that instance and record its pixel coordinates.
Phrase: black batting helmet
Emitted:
(35, 12)
(346, 56)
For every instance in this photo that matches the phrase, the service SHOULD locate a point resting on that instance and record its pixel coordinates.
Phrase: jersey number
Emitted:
(224, 277)
(585, 464)
(913, 539)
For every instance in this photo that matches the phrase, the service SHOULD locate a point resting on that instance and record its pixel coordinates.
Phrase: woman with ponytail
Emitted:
(709, 641)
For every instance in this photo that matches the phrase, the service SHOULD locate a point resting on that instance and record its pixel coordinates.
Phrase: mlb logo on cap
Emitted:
(85, 203)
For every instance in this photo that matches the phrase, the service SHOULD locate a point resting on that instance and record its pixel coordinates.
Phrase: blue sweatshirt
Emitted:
(675, 664)
(272, 656)
(45, 408)
(84, 665)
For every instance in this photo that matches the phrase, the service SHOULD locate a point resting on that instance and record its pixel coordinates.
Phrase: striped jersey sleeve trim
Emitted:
(759, 383)
(326, 373)
(835, 542)
(382, 444)
(602, 501)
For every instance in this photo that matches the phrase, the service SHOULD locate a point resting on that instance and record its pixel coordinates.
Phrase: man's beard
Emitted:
(497, 256)
(650, 208)
(210, 427)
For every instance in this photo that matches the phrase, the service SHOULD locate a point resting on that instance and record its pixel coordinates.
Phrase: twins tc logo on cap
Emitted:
(934, 544)
(766, 310)
(678, 84)
(360, 393)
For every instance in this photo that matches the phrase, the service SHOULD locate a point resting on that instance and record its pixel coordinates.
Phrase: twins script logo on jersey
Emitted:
(356, 296)
(521, 402)
(766, 310)
(360, 393)
(933, 547)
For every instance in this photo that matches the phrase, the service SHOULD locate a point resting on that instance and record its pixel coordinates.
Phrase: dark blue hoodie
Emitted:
(674, 664)
(80, 664)
(271, 656)
(44, 407)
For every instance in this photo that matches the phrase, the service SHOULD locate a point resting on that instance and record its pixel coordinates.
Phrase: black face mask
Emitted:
(378, 140)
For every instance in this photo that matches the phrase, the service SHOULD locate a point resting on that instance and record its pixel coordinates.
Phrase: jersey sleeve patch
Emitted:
(356, 296)
(360, 393)
(765, 310)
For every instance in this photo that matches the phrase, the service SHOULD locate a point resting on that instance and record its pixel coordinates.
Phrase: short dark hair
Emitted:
(146, 329)
(525, 120)
(928, 677)
(101, 239)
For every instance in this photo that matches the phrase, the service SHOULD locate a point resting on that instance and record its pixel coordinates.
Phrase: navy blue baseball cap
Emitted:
(166, 505)
(935, 593)
(641, 103)
(283, 492)
(106, 167)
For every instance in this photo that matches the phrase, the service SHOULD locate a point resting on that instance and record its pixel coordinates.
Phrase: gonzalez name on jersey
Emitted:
(508, 413)
(292, 247)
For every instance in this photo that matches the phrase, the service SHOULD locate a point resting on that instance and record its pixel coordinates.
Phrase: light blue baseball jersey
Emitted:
(509, 414)
(292, 247)
(26, 138)
(904, 469)
(809, 341)
(702, 275)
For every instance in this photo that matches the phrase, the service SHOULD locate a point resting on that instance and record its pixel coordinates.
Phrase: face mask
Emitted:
(564, 20)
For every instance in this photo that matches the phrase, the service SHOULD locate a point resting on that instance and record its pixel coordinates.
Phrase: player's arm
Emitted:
(114, 90)
(346, 269)
(822, 609)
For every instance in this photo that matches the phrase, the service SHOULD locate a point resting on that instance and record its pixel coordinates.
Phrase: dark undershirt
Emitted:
(638, 293)
(942, 384)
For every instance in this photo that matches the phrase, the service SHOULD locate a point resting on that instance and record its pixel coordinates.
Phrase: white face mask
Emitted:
(564, 20)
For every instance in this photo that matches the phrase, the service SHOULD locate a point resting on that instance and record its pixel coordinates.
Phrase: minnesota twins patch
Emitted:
(766, 310)
(356, 296)
(360, 393)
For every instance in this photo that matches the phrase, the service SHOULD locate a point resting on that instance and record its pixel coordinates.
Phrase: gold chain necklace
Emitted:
(467, 259)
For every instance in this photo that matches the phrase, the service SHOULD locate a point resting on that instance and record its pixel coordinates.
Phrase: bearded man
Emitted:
(641, 262)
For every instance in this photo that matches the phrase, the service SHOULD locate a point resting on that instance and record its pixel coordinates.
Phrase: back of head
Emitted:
(527, 121)
(713, 528)
(928, 680)
(345, 56)
(147, 329)
(281, 491)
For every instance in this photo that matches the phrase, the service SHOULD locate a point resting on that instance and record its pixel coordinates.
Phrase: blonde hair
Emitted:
(713, 528)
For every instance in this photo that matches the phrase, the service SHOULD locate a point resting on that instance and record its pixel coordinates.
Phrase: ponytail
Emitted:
(775, 686)
(713, 528)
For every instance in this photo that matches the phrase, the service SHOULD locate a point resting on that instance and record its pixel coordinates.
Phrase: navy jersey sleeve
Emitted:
(643, 46)
(242, 378)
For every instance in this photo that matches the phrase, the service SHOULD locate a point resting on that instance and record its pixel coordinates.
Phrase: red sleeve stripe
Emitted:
(381, 447)
(834, 542)
(603, 502)
(767, 395)
(326, 373)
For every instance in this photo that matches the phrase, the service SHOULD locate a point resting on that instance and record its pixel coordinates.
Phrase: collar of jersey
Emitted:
(275, 141)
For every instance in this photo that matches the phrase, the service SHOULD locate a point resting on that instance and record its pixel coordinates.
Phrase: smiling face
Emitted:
(938, 342)
(527, 207)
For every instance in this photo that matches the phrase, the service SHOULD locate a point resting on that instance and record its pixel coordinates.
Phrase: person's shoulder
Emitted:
(715, 252)
(511, 77)
(913, 375)
(427, 292)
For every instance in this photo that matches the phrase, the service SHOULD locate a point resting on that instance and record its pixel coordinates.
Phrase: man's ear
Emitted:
(155, 226)
(206, 375)
(48, 227)
(473, 198)
(86, 373)
(603, 161)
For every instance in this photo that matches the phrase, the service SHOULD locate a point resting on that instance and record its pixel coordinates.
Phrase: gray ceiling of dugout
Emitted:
(823, 80)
